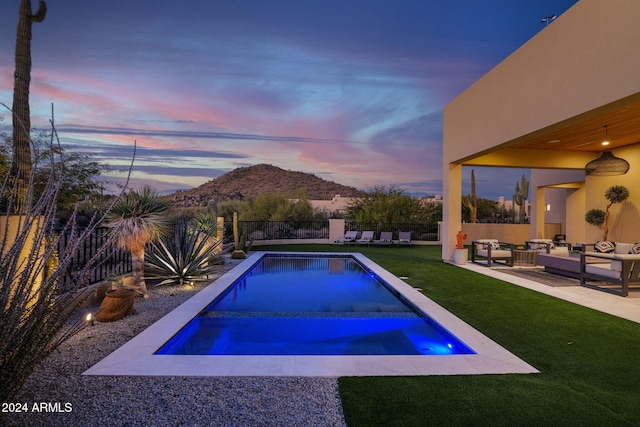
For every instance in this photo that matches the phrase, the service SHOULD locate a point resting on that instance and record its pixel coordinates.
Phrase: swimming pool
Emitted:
(138, 356)
(311, 305)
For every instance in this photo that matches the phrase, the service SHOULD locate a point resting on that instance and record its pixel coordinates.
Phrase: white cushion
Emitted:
(541, 244)
(494, 243)
(559, 250)
(495, 253)
(602, 270)
(622, 248)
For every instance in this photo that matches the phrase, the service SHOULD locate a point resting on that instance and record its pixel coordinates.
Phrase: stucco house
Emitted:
(544, 108)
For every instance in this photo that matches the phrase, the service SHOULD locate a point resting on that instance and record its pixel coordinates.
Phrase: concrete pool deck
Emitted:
(137, 358)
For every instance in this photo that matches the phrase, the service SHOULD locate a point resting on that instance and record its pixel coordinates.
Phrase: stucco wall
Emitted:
(582, 64)
(550, 78)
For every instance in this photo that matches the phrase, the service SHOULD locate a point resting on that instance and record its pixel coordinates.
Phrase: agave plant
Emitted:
(184, 258)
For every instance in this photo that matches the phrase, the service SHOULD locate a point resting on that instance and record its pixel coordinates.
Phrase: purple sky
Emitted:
(349, 90)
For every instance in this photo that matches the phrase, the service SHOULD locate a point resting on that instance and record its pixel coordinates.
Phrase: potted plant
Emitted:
(460, 253)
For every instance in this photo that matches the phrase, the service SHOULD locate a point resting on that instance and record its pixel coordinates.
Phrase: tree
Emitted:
(600, 218)
(388, 206)
(21, 166)
(136, 219)
(78, 171)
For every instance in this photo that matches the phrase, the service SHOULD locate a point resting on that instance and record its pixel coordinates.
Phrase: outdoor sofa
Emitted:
(492, 250)
(619, 267)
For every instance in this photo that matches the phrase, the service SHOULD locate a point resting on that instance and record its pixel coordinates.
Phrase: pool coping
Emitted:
(137, 358)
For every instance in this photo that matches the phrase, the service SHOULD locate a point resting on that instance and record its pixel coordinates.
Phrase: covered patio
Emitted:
(545, 108)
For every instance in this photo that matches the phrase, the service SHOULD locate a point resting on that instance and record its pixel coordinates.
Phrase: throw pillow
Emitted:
(495, 246)
(604, 246)
(635, 249)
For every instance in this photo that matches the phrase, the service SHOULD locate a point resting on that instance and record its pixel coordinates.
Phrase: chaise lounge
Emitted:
(404, 238)
(349, 237)
(492, 250)
(386, 239)
(366, 239)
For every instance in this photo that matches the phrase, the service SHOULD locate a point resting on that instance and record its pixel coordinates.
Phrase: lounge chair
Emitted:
(386, 239)
(366, 239)
(547, 246)
(492, 250)
(404, 238)
(349, 237)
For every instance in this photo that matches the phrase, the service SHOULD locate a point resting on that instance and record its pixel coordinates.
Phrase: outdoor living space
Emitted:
(507, 119)
(579, 383)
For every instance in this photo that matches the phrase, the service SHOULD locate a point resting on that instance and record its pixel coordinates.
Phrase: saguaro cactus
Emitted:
(21, 167)
(522, 193)
(471, 201)
(238, 239)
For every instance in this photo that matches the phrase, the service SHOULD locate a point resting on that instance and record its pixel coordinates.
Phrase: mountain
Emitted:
(251, 181)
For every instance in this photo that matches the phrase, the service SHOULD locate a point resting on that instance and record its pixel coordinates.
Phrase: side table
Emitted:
(524, 257)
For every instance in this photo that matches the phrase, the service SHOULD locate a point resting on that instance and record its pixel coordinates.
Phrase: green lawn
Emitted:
(589, 362)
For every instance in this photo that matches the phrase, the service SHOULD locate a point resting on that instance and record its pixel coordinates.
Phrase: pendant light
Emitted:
(607, 164)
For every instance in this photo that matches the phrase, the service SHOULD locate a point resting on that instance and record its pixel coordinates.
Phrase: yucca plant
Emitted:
(184, 258)
(137, 218)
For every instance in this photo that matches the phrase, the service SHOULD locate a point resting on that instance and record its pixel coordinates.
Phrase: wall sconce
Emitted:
(607, 164)
(548, 207)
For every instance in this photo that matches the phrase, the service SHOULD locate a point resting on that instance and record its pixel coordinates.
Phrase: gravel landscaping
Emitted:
(58, 394)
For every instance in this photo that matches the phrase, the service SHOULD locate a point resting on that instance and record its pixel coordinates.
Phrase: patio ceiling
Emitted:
(587, 133)
(574, 141)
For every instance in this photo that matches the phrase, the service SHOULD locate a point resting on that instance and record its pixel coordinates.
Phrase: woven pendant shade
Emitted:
(607, 165)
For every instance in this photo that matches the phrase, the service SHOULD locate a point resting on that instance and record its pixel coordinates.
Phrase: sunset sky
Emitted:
(349, 90)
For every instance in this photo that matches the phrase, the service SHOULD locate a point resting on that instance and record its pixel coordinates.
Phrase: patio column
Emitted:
(538, 220)
(451, 208)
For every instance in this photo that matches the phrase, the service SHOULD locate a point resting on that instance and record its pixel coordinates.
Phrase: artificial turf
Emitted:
(588, 361)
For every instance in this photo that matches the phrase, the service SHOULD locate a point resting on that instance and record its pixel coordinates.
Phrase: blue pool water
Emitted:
(310, 305)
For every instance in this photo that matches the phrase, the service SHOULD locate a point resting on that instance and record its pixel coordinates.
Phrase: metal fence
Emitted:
(289, 230)
(280, 230)
(109, 263)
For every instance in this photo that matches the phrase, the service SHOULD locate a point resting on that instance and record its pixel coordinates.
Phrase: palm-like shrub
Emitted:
(184, 258)
(139, 217)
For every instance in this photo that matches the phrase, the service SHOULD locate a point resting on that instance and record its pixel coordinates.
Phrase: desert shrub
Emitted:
(183, 258)
(35, 303)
